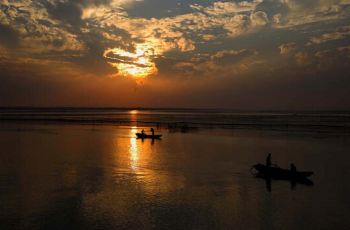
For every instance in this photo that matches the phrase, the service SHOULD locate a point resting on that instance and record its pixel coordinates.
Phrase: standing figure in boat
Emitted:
(152, 130)
(143, 132)
(293, 169)
(268, 160)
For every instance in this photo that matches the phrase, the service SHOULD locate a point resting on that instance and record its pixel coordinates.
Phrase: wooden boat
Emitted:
(279, 173)
(144, 136)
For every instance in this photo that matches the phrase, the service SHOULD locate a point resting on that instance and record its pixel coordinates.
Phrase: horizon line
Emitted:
(171, 108)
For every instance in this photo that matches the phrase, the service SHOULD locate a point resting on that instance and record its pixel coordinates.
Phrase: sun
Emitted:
(137, 64)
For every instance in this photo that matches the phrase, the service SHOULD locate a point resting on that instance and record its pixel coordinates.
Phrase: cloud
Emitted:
(232, 56)
(334, 59)
(227, 8)
(302, 58)
(298, 12)
(35, 31)
(97, 34)
(221, 63)
(287, 48)
(340, 33)
(9, 37)
(67, 11)
(236, 18)
(259, 18)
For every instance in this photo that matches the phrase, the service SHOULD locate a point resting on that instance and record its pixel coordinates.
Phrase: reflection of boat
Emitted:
(144, 136)
(279, 173)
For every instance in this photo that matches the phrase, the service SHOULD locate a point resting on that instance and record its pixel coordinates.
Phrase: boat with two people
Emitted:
(144, 135)
(270, 171)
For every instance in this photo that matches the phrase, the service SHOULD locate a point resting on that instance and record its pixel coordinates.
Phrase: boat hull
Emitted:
(279, 173)
(146, 136)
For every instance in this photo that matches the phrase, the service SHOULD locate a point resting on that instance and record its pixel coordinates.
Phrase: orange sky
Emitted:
(159, 53)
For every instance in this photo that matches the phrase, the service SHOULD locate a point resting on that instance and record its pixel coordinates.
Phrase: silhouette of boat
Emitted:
(281, 174)
(144, 136)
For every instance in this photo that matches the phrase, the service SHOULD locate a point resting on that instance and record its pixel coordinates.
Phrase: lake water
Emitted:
(320, 121)
(70, 176)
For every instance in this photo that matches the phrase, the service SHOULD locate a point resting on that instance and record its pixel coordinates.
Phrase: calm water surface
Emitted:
(102, 177)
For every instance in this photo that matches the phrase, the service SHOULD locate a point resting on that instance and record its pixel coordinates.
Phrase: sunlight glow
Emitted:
(138, 64)
(134, 111)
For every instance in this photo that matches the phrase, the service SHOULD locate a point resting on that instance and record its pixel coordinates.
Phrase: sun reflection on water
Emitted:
(133, 119)
(133, 149)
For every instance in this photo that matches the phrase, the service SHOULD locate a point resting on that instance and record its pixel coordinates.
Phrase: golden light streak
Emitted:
(133, 149)
(142, 160)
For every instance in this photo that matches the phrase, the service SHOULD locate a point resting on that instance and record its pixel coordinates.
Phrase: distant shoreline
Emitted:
(188, 127)
(68, 108)
(184, 119)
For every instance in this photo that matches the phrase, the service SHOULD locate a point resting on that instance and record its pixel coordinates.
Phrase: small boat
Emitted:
(144, 136)
(279, 173)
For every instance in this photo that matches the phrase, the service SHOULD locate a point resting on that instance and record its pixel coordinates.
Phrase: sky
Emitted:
(249, 55)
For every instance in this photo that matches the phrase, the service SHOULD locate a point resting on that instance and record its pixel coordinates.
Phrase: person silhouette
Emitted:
(268, 160)
(152, 130)
(143, 132)
(293, 169)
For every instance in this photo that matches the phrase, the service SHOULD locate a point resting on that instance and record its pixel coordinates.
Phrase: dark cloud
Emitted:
(69, 12)
(115, 58)
(305, 5)
(96, 44)
(58, 42)
(333, 59)
(164, 8)
(8, 37)
(273, 7)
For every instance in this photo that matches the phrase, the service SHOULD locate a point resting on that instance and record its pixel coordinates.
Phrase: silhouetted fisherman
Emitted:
(152, 130)
(143, 132)
(268, 160)
(293, 169)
